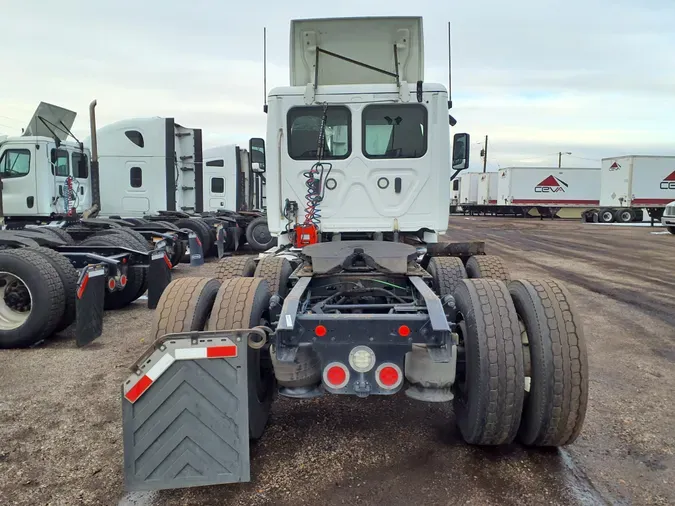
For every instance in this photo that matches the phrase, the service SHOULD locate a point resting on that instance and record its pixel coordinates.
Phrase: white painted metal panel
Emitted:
(468, 188)
(549, 186)
(638, 181)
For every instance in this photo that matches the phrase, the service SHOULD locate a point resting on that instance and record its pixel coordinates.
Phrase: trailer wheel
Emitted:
(489, 387)
(201, 229)
(258, 235)
(235, 267)
(61, 234)
(624, 215)
(555, 405)
(32, 298)
(447, 273)
(606, 216)
(276, 271)
(487, 266)
(185, 305)
(241, 304)
(69, 278)
(135, 275)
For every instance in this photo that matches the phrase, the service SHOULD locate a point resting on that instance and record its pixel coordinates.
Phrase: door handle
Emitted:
(397, 185)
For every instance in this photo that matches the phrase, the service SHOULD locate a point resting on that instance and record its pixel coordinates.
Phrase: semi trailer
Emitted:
(630, 185)
(154, 170)
(56, 268)
(363, 295)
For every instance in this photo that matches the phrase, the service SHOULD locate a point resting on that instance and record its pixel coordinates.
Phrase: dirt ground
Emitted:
(60, 414)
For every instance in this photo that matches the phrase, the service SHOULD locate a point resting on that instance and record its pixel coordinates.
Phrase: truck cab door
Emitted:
(216, 184)
(17, 169)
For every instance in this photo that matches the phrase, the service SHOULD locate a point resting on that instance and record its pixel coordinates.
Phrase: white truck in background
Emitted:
(154, 170)
(468, 189)
(632, 184)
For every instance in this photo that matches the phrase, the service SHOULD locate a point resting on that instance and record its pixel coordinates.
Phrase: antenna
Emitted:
(265, 68)
(449, 68)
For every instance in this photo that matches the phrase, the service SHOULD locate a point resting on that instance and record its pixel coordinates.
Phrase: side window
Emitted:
(395, 131)
(136, 137)
(80, 166)
(15, 163)
(215, 163)
(60, 163)
(136, 177)
(217, 185)
(304, 124)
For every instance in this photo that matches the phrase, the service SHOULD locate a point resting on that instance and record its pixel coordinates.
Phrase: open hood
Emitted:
(50, 120)
(369, 40)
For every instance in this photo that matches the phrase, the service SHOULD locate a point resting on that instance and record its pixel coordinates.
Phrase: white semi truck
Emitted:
(631, 185)
(154, 170)
(363, 295)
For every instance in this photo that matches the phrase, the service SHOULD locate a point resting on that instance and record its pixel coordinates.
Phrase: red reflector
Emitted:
(83, 286)
(123, 280)
(221, 351)
(198, 241)
(336, 375)
(138, 389)
(404, 331)
(320, 330)
(388, 376)
(111, 284)
(168, 262)
(124, 260)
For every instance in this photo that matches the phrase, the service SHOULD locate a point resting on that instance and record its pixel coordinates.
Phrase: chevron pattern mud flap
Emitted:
(185, 414)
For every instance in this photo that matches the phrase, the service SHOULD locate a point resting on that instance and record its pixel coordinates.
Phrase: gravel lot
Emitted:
(60, 427)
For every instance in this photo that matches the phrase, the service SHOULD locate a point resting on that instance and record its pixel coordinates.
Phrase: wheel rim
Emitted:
(262, 234)
(625, 216)
(16, 301)
(607, 216)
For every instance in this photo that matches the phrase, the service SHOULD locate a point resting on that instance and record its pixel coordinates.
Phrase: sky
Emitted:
(592, 77)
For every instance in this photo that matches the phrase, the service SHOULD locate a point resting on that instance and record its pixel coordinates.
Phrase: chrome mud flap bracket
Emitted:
(185, 413)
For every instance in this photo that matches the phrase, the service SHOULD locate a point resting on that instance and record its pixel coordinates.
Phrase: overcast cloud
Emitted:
(594, 77)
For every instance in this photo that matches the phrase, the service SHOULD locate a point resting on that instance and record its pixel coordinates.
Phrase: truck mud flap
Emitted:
(185, 413)
(159, 277)
(196, 250)
(89, 304)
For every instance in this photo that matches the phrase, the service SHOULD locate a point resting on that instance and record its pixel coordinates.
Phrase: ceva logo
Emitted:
(615, 166)
(551, 184)
(669, 182)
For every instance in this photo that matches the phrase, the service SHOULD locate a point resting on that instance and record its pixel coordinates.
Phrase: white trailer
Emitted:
(631, 184)
(487, 189)
(468, 189)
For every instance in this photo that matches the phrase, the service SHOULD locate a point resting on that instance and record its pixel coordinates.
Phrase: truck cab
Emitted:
(359, 143)
(42, 173)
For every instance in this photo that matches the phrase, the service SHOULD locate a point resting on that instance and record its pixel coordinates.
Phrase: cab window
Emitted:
(14, 163)
(395, 131)
(60, 165)
(80, 166)
(304, 124)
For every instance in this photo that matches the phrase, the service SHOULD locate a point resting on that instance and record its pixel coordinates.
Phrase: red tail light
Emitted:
(320, 330)
(404, 331)
(336, 375)
(123, 280)
(111, 284)
(389, 376)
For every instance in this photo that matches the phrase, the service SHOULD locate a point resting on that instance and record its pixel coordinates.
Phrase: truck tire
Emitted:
(671, 230)
(185, 305)
(27, 277)
(241, 304)
(60, 233)
(624, 215)
(487, 266)
(135, 275)
(201, 229)
(69, 278)
(489, 387)
(167, 224)
(138, 221)
(555, 406)
(276, 271)
(235, 267)
(258, 235)
(447, 273)
(606, 215)
(135, 238)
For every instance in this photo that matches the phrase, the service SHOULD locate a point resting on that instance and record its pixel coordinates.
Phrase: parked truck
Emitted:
(631, 185)
(153, 170)
(362, 296)
(57, 268)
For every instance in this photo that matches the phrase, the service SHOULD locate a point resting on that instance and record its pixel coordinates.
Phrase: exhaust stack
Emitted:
(95, 184)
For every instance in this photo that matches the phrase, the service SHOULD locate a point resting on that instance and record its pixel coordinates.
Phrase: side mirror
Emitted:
(256, 154)
(460, 151)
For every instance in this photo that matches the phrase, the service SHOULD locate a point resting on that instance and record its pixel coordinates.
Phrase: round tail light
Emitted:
(336, 375)
(389, 376)
(123, 280)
